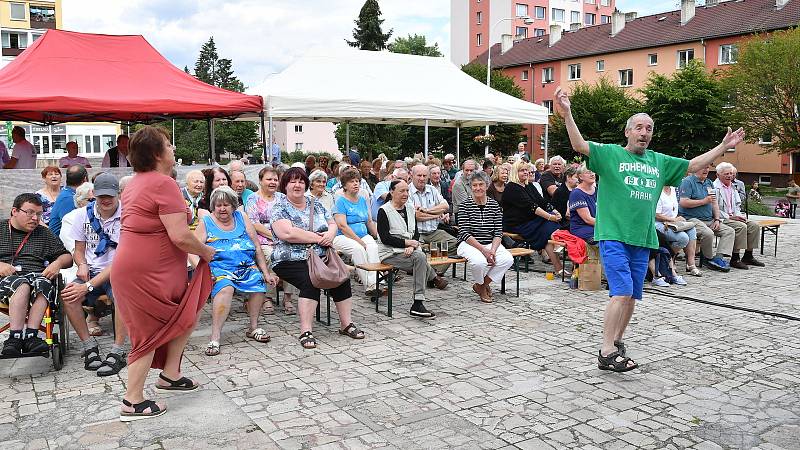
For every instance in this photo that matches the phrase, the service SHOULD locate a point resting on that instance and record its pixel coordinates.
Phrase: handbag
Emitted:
(326, 272)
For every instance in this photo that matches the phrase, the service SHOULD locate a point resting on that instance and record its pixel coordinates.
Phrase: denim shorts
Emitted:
(625, 266)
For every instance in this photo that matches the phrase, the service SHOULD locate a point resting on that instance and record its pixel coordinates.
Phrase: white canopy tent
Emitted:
(357, 86)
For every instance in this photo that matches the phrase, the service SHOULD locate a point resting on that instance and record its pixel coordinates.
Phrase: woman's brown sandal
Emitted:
(352, 331)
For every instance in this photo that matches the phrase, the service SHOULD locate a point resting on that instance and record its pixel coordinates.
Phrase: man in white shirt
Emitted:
(72, 157)
(96, 232)
(23, 154)
(117, 156)
(430, 209)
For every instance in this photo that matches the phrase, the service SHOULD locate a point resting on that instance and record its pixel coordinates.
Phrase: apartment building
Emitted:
(309, 137)
(21, 24)
(475, 25)
(626, 50)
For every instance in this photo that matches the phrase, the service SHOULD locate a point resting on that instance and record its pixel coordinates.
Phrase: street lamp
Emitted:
(528, 21)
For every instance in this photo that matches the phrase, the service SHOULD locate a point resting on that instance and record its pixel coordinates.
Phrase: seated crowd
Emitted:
(390, 212)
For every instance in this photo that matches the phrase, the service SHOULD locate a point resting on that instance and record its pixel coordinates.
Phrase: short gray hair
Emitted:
(479, 175)
(557, 158)
(319, 175)
(629, 123)
(724, 165)
(399, 171)
(83, 194)
(223, 194)
(127, 178)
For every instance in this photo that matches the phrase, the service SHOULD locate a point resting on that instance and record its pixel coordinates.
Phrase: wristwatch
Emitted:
(89, 287)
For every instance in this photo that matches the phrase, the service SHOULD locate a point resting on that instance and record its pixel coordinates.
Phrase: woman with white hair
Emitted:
(238, 264)
(316, 190)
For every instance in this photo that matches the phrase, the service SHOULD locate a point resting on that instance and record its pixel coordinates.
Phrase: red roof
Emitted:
(730, 18)
(77, 77)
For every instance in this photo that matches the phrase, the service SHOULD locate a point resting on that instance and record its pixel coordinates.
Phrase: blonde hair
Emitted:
(513, 175)
(499, 169)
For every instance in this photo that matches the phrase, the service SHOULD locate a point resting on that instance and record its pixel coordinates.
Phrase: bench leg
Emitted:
(328, 307)
(516, 268)
(776, 243)
(763, 230)
(378, 279)
(389, 284)
(319, 318)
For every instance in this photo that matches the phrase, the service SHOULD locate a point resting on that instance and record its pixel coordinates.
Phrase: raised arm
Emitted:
(731, 140)
(578, 143)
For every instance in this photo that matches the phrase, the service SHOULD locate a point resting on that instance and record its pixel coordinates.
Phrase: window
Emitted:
(479, 18)
(652, 59)
(478, 39)
(605, 19)
(765, 138)
(59, 143)
(601, 65)
(539, 32)
(603, 2)
(590, 18)
(35, 36)
(684, 56)
(574, 72)
(43, 14)
(542, 143)
(522, 32)
(14, 40)
(547, 75)
(549, 105)
(728, 54)
(524, 75)
(541, 12)
(17, 11)
(298, 128)
(765, 180)
(298, 146)
(522, 10)
(590, 2)
(558, 15)
(575, 17)
(626, 77)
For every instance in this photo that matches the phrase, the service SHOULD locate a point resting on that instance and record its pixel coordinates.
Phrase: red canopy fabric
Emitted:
(78, 77)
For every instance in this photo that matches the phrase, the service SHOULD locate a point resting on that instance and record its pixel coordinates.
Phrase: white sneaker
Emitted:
(679, 280)
(660, 282)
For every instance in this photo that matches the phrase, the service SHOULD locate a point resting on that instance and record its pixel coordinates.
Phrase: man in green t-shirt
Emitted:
(630, 180)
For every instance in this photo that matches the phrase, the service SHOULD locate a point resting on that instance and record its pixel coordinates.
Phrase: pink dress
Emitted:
(149, 272)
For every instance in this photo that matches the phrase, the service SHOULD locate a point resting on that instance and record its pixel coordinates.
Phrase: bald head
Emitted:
(195, 182)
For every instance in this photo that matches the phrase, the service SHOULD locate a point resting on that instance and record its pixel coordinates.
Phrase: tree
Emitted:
(368, 34)
(414, 45)
(765, 87)
(206, 64)
(600, 110)
(688, 110)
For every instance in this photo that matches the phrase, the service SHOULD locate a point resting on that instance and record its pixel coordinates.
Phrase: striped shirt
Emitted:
(483, 222)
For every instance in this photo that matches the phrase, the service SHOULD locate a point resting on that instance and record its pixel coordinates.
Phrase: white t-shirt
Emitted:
(667, 204)
(25, 153)
(67, 161)
(82, 231)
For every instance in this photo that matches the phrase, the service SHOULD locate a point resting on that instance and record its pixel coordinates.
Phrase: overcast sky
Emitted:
(264, 36)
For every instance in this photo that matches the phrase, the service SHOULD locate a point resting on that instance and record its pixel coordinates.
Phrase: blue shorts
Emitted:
(625, 266)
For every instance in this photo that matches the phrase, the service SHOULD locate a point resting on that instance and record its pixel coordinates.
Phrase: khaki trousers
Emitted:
(705, 236)
(747, 234)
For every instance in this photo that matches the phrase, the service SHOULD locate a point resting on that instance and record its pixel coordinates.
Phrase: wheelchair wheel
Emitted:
(59, 347)
(57, 353)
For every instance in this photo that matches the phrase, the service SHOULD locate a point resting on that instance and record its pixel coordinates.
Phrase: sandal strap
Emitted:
(139, 408)
(181, 382)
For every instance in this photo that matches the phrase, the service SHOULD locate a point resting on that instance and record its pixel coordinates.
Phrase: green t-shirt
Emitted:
(628, 189)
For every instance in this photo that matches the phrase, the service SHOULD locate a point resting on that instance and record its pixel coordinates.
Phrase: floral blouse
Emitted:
(260, 211)
(283, 209)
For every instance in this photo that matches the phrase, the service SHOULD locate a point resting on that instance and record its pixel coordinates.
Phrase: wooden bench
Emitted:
(382, 272)
(517, 253)
(772, 226)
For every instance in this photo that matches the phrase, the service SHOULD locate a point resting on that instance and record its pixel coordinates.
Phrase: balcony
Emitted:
(12, 51)
(43, 24)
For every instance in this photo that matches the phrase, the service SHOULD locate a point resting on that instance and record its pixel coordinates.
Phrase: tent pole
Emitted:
(211, 141)
(271, 139)
(546, 143)
(264, 140)
(173, 132)
(458, 146)
(426, 139)
(346, 138)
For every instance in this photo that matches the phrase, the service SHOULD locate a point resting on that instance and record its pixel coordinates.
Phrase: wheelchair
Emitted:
(54, 326)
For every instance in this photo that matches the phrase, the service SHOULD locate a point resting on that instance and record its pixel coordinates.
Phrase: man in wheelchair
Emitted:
(95, 231)
(31, 257)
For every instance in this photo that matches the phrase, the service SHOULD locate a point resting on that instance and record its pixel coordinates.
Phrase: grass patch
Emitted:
(759, 209)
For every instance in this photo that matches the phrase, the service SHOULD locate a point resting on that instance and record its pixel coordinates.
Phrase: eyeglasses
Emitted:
(30, 213)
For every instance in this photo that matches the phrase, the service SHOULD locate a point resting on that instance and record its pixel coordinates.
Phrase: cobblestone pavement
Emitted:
(519, 373)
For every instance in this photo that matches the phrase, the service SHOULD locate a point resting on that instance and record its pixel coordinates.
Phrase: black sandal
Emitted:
(620, 348)
(352, 331)
(610, 362)
(182, 384)
(90, 356)
(115, 362)
(307, 340)
(138, 411)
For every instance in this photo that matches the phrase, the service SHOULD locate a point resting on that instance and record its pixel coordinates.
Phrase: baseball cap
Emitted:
(106, 184)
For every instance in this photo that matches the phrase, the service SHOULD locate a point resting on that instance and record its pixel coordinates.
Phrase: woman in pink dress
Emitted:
(149, 274)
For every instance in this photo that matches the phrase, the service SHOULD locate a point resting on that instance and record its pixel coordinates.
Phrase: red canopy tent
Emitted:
(79, 77)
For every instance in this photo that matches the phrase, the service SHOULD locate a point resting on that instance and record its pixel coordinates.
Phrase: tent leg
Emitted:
(458, 146)
(264, 155)
(271, 139)
(486, 149)
(546, 143)
(211, 141)
(426, 139)
(346, 138)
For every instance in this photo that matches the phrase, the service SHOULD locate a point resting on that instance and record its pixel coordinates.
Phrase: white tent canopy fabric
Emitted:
(349, 85)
